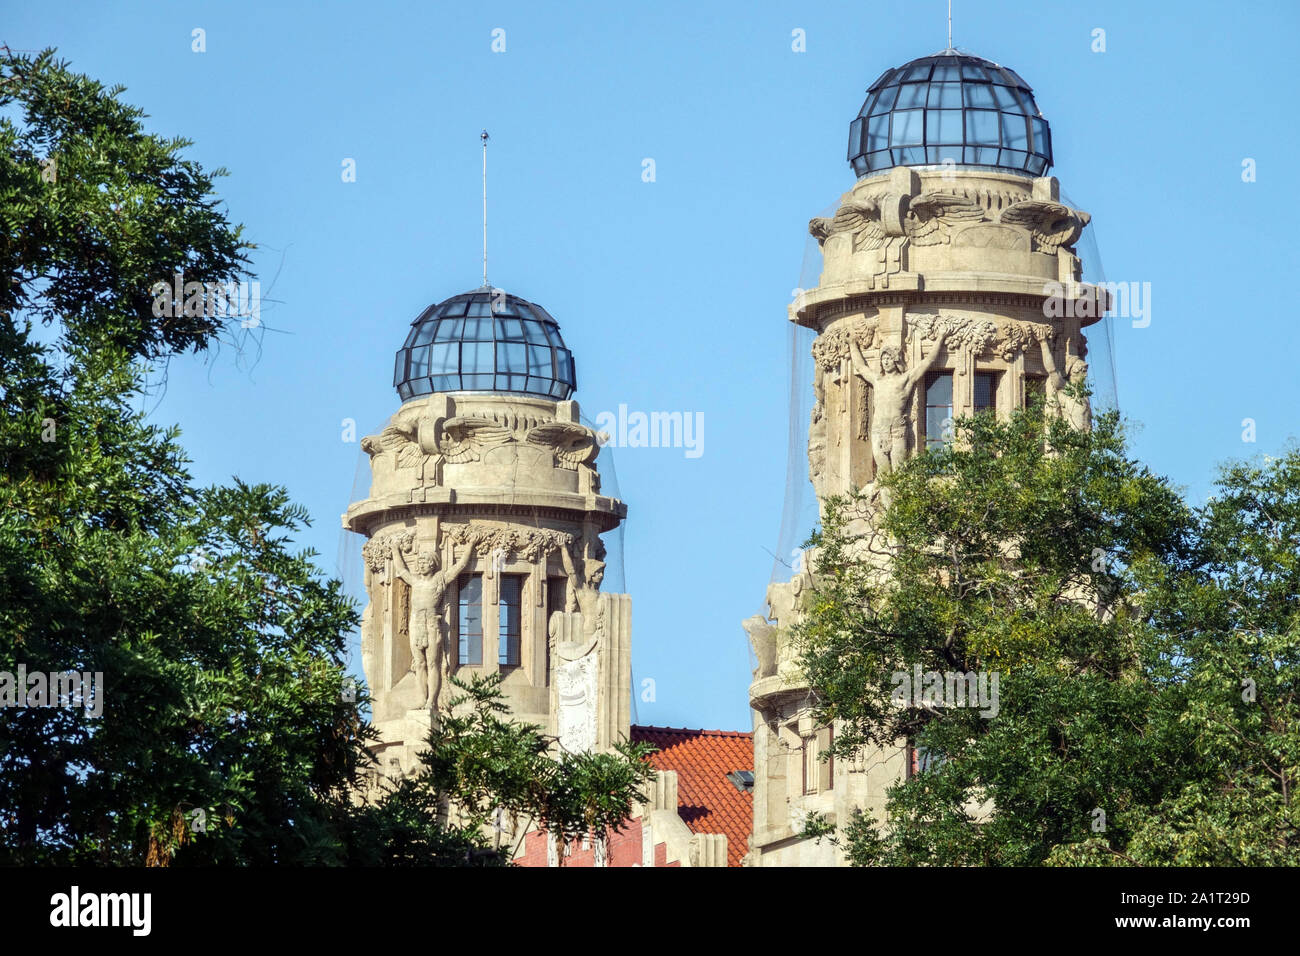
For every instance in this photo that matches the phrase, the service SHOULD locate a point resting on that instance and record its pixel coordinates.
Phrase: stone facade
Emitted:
(484, 555)
(492, 492)
(959, 277)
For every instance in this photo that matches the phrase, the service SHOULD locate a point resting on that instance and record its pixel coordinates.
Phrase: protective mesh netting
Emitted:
(799, 515)
(350, 571)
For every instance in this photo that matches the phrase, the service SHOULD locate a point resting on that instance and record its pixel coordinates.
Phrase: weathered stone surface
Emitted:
(926, 271)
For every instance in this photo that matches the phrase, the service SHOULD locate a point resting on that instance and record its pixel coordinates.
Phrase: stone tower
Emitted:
(949, 286)
(483, 528)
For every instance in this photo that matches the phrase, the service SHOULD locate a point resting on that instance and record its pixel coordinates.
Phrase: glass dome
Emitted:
(485, 341)
(950, 106)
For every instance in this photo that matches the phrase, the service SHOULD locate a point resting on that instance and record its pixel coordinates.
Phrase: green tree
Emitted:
(223, 712)
(483, 773)
(1121, 623)
(230, 731)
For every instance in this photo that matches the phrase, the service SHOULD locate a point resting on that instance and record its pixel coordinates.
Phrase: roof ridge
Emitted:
(694, 730)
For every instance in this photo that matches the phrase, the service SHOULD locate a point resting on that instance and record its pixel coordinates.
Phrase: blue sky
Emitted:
(672, 294)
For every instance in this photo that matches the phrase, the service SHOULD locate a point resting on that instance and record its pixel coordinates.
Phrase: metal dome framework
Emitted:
(485, 341)
(950, 107)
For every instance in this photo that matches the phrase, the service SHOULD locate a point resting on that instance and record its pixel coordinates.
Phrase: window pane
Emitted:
(939, 389)
(885, 100)
(982, 127)
(509, 329)
(907, 128)
(1013, 158)
(539, 361)
(945, 95)
(512, 357)
(877, 133)
(942, 126)
(1040, 135)
(938, 422)
(479, 329)
(476, 357)
(471, 620)
(419, 363)
(979, 95)
(534, 332)
(986, 390)
(509, 617)
(424, 334)
(938, 409)
(481, 308)
(443, 357)
(1015, 133)
(911, 95)
(1006, 99)
(449, 330)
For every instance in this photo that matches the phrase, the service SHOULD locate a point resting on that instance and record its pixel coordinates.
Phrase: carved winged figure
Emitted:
(570, 443)
(465, 437)
(399, 439)
(1052, 224)
(929, 211)
(861, 218)
(763, 638)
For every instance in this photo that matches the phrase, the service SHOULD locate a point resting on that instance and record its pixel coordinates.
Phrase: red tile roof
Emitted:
(707, 801)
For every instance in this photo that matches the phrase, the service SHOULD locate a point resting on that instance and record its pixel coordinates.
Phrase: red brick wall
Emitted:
(624, 849)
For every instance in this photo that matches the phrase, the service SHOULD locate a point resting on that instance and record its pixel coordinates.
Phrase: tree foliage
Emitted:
(1127, 629)
(229, 731)
(488, 774)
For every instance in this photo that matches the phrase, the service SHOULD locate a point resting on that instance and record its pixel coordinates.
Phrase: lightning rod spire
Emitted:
(484, 136)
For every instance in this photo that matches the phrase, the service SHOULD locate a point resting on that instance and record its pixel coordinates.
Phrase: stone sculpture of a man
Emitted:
(584, 592)
(1075, 409)
(428, 644)
(891, 389)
